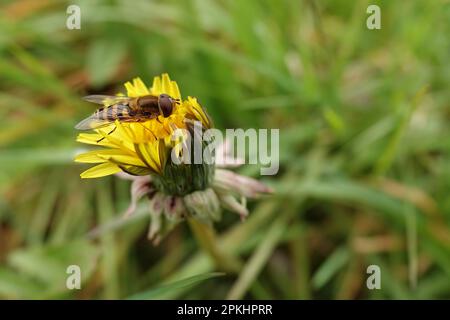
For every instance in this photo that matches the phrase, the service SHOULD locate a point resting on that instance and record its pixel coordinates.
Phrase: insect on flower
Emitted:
(136, 135)
(127, 109)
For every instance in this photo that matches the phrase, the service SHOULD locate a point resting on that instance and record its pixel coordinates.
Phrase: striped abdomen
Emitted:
(114, 112)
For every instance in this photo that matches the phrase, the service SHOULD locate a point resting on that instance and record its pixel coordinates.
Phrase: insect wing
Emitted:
(93, 122)
(106, 116)
(106, 100)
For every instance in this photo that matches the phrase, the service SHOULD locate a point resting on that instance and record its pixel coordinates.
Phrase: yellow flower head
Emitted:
(143, 149)
(140, 148)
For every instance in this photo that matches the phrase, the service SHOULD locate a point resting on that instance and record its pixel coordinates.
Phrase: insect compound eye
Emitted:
(165, 103)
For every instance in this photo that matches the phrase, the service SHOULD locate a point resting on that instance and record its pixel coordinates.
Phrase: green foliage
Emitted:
(40, 271)
(155, 293)
(363, 116)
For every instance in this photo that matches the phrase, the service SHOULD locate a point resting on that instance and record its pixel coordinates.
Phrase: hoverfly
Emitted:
(126, 109)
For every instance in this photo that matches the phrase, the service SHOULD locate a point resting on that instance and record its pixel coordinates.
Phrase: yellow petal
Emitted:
(93, 138)
(140, 87)
(117, 140)
(198, 112)
(136, 171)
(103, 155)
(131, 92)
(124, 131)
(150, 154)
(136, 132)
(166, 83)
(101, 170)
(156, 87)
(123, 159)
(89, 157)
(174, 90)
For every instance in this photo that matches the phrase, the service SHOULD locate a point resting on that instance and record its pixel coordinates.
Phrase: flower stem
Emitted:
(207, 240)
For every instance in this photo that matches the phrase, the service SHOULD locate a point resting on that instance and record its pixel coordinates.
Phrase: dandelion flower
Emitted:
(141, 152)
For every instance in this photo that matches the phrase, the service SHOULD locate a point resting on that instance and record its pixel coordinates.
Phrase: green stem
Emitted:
(207, 240)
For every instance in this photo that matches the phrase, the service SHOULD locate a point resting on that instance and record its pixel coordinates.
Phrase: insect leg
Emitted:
(115, 127)
(146, 128)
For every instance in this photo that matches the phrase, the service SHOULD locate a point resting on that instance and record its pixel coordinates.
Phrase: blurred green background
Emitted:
(364, 174)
